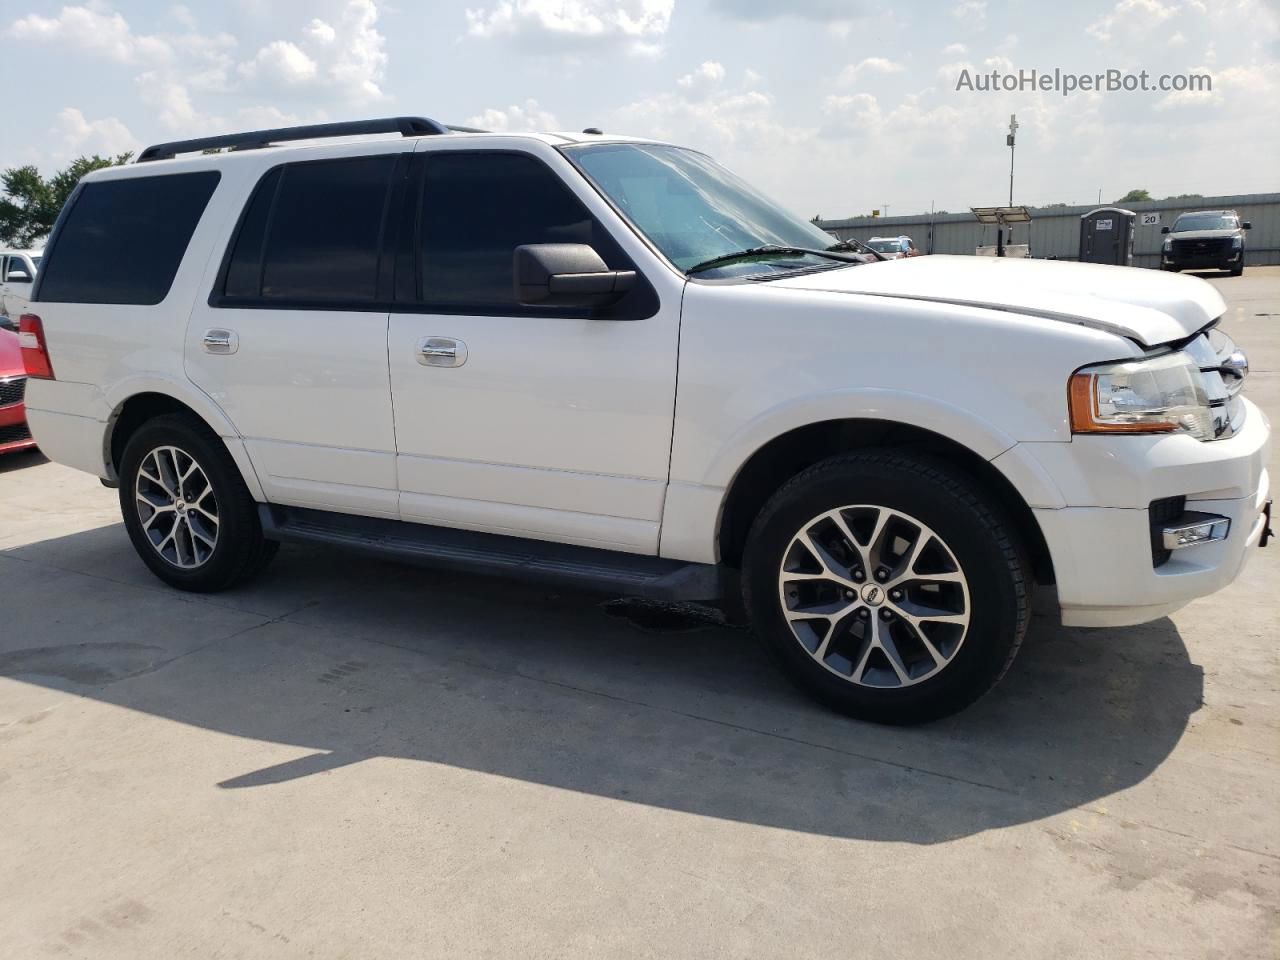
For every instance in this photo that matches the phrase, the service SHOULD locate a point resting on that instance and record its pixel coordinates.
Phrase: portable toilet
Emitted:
(1106, 236)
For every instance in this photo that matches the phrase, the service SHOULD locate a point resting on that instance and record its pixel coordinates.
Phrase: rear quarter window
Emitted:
(122, 241)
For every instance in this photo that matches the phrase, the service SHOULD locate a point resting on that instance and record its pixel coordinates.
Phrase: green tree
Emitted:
(31, 203)
(1134, 196)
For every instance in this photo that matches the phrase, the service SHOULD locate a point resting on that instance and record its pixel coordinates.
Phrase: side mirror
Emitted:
(19, 276)
(567, 275)
(8, 323)
(1164, 229)
(1247, 225)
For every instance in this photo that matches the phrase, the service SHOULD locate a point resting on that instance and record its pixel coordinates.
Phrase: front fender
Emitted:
(871, 403)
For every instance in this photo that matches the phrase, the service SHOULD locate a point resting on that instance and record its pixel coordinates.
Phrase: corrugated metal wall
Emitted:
(1055, 231)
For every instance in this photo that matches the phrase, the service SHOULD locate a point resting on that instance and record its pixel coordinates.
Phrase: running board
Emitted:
(605, 571)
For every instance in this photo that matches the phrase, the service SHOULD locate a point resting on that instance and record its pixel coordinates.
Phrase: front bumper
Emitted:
(15, 435)
(1097, 525)
(1208, 261)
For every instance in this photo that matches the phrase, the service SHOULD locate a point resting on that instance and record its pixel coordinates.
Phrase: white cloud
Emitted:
(705, 78)
(730, 118)
(321, 32)
(95, 30)
(826, 11)
(640, 25)
(954, 50)
(1131, 17)
(870, 65)
(281, 62)
(853, 115)
(346, 60)
(77, 135)
(515, 118)
(973, 12)
(172, 106)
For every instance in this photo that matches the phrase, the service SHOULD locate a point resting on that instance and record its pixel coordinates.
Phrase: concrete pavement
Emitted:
(353, 758)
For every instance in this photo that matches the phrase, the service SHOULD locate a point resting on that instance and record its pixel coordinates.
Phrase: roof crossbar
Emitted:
(253, 139)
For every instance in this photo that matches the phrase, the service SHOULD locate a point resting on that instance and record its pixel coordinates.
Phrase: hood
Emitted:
(1204, 234)
(10, 356)
(1149, 306)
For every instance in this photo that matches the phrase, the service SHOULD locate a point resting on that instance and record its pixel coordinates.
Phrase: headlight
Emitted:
(1168, 244)
(1237, 241)
(1160, 395)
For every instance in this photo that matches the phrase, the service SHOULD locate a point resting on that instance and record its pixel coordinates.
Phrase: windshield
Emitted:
(1206, 221)
(885, 246)
(694, 210)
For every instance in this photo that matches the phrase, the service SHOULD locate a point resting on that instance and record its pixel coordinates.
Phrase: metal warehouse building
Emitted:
(1055, 231)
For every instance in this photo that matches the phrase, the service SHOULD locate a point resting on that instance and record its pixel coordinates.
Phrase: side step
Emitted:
(606, 571)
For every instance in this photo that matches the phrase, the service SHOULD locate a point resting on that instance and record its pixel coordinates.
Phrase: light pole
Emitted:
(1009, 140)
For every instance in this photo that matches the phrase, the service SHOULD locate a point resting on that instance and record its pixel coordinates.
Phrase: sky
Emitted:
(833, 107)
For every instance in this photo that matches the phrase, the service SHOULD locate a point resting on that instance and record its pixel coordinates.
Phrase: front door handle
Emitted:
(220, 341)
(441, 352)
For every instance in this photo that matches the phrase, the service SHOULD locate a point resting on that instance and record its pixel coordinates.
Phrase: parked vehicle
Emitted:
(17, 274)
(1205, 240)
(610, 362)
(14, 433)
(895, 248)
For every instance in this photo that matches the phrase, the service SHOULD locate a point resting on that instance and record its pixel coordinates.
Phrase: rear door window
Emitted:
(312, 234)
(122, 241)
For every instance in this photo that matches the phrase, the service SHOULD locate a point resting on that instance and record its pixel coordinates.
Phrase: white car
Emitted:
(609, 362)
(17, 274)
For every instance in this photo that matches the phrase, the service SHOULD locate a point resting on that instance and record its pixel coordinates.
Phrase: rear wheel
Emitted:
(886, 586)
(186, 508)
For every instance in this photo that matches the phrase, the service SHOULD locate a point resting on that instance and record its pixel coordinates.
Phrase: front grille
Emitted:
(14, 433)
(1162, 512)
(1222, 373)
(1210, 247)
(12, 390)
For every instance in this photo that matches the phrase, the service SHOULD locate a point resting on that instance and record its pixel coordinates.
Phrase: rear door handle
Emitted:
(221, 341)
(441, 352)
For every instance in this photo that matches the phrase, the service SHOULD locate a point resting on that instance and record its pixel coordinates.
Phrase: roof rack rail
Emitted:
(253, 139)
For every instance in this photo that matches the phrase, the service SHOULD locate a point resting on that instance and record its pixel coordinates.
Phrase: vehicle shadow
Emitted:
(22, 460)
(353, 659)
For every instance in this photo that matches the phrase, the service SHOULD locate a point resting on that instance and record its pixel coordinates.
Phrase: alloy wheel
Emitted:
(177, 507)
(874, 595)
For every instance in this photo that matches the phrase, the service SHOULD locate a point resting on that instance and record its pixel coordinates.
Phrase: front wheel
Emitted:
(186, 508)
(887, 586)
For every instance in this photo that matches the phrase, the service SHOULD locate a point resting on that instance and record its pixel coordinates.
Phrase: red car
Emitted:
(14, 434)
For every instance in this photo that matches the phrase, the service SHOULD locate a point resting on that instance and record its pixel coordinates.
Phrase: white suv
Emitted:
(610, 362)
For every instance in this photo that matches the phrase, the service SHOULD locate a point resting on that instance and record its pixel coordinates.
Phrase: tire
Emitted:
(1172, 269)
(209, 535)
(967, 543)
(1238, 269)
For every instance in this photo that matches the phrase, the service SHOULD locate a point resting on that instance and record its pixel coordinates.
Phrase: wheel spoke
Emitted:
(884, 638)
(828, 563)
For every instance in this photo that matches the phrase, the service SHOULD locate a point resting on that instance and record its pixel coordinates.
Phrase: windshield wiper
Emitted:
(857, 246)
(763, 250)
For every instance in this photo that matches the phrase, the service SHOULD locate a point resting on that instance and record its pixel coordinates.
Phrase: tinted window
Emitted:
(325, 230)
(244, 269)
(477, 208)
(123, 240)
